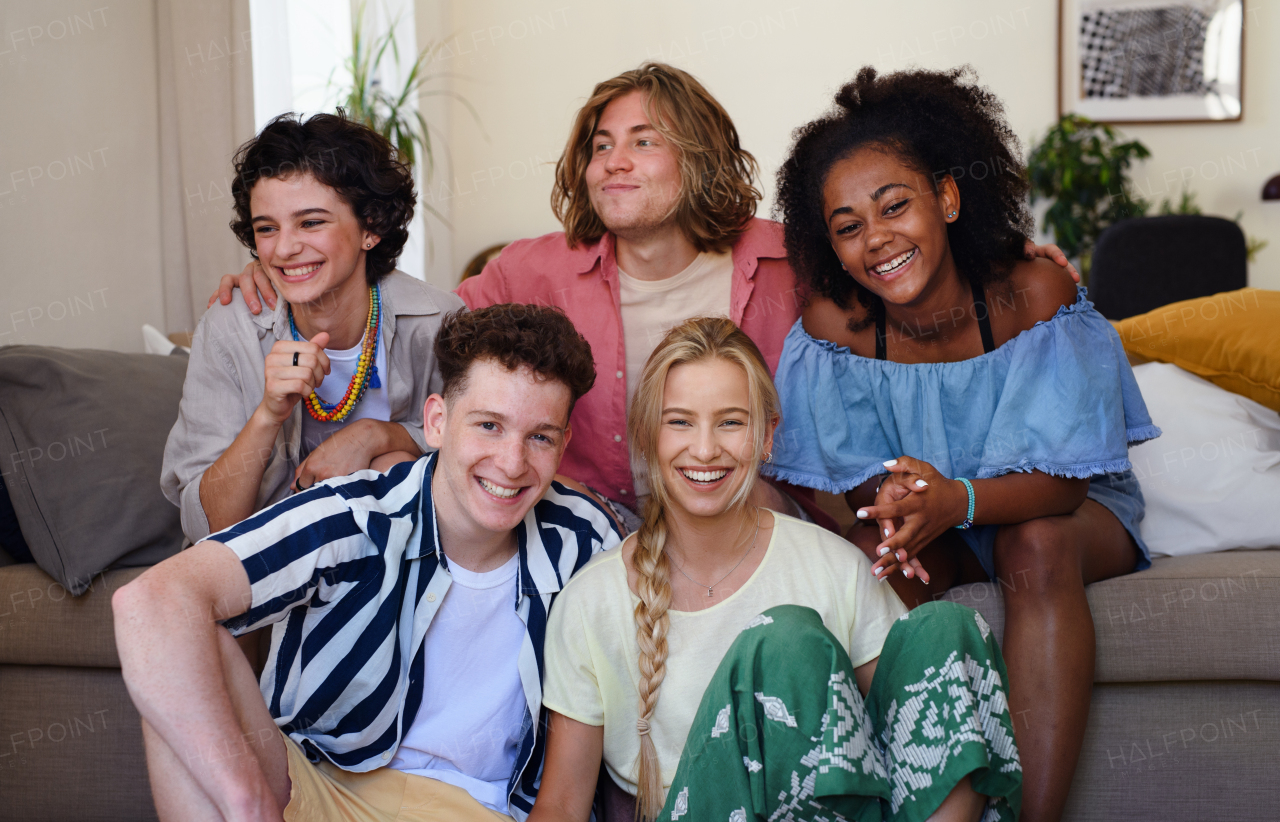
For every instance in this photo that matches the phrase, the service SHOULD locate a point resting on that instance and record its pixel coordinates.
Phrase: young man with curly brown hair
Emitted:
(408, 611)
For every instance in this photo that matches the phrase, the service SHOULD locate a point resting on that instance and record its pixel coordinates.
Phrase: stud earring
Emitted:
(370, 245)
(952, 215)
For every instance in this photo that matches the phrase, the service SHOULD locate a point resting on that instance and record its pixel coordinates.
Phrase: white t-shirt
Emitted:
(651, 308)
(373, 405)
(592, 659)
(470, 724)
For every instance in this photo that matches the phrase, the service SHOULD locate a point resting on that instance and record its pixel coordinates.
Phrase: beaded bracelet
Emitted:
(968, 520)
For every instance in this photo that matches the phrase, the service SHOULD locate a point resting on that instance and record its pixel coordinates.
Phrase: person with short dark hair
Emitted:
(404, 679)
(335, 378)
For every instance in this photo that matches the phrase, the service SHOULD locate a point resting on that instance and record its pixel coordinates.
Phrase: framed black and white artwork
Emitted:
(1151, 61)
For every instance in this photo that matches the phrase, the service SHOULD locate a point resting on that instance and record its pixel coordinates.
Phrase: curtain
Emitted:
(206, 112)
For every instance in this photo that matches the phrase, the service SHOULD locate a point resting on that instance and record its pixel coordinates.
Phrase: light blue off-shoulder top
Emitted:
(1059, 398)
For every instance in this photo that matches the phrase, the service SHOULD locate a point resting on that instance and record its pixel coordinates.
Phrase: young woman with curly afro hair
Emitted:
(997, 400)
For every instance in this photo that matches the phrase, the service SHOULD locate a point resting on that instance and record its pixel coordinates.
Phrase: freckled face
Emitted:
(500, 441)
(633, 179)
(887, 224)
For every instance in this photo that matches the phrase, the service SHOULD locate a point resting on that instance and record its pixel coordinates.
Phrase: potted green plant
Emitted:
(393, 114)
(1083, 167)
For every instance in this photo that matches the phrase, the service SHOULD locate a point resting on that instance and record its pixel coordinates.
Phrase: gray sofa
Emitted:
(70, 738)
(1185, 723)
(1185, 720)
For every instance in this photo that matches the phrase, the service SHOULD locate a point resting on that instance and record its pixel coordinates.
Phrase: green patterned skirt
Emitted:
(784, 734)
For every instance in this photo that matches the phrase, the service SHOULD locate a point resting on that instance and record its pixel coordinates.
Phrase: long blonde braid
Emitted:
(694, 340)
(653, 586)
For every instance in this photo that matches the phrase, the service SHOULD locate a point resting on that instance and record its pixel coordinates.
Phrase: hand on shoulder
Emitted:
(1033, 292)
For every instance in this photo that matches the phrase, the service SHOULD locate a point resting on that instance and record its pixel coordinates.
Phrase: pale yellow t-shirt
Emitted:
(592, 668)
(651, 308)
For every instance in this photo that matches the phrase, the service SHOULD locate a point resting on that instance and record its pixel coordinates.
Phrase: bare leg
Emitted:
(963, 804)
(177, 794)
(1049, 642)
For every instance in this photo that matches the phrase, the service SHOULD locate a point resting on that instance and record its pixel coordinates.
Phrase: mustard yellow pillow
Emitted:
(1231, 339)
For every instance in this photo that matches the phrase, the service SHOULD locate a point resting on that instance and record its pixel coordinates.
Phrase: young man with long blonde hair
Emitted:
(657, 197)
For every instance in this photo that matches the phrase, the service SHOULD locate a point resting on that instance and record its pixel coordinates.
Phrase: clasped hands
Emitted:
(914, 506)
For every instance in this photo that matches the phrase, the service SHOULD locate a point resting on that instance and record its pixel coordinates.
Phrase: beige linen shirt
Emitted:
(227, 376)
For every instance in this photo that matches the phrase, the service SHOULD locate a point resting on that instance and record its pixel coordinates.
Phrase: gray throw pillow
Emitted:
(82, 435)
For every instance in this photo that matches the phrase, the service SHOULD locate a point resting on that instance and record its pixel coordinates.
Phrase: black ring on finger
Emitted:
(297, 483)
(295, 359)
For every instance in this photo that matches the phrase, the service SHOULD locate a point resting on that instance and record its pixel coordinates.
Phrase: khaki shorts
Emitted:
(326, 792)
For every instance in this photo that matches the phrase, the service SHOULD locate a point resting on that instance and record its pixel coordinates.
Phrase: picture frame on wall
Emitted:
(1151, 61)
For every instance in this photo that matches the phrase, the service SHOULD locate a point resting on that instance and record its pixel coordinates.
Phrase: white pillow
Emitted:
(154, 342)
(1212, 481)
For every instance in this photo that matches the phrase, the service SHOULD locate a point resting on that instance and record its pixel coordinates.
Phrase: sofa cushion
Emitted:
(1213, 470)
(82, 435)
(1229, 339)
(1202, 617)
(42, 624)
(1178, 751)
(70, 747)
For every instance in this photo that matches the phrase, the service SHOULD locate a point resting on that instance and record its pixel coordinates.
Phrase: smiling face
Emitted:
(705, 446)
(500, 438)
(633, 179)
(309, 240)
(888, 225)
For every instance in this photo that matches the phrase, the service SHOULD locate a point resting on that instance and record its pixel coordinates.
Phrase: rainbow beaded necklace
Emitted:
(366, 375)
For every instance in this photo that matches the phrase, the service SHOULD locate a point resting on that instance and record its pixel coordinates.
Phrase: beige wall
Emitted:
(79, 173)
(527, 66)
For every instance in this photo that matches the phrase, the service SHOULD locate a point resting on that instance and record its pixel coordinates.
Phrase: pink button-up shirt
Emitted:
(764, 301)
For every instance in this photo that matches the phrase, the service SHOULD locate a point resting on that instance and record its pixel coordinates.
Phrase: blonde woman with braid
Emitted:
(732, 663)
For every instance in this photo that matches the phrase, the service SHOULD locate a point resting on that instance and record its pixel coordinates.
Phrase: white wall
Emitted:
(79, 174)
(774, 64)
(432, 21)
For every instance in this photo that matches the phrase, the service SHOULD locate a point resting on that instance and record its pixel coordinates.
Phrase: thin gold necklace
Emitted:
(750, 547)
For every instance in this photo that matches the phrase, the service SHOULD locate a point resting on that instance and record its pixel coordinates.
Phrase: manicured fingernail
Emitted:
(884, 549)
(905, 574)
(890, 463)
(886, 533)
(877, 570)
(862, 513)
(921, 484)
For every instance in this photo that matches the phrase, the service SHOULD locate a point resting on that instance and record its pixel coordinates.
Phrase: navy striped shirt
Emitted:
(350, 573)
